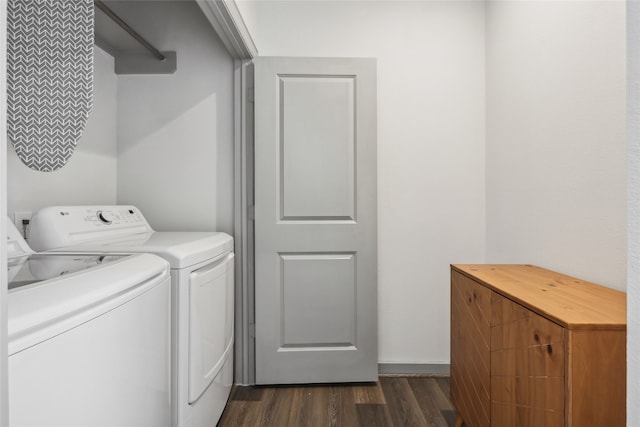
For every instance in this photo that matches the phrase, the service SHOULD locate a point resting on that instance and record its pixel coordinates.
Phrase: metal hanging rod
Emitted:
(111, 14)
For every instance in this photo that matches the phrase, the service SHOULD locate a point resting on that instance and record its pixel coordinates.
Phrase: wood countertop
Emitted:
(568, 301)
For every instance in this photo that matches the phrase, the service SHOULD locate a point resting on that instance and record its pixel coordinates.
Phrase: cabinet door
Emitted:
(470, 344)
(527, 367)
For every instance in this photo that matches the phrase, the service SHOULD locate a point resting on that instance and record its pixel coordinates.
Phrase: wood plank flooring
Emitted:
(393, 401)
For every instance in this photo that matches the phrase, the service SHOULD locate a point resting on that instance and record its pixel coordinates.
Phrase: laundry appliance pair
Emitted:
(202, 294)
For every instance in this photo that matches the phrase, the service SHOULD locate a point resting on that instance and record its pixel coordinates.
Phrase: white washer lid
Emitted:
(181, 248)
(34, 268)
(42, 310)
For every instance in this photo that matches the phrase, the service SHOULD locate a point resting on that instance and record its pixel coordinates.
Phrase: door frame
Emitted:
(226, 19)
(244, 352)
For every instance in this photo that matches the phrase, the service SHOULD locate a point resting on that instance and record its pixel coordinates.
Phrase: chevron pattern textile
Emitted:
(49, 78)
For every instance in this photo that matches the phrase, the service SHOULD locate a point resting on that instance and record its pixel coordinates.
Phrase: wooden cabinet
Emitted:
(535, 348)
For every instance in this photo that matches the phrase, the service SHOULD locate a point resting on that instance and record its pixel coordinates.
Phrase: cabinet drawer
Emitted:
(515, 327)
(523, 416)
(524, 343)
(541, 393)
(474, 301)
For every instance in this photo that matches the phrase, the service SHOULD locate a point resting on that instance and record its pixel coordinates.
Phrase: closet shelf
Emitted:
(132, 52)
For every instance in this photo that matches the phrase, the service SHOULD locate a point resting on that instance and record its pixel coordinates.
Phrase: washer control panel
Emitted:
(60, 226)
(81, 216)
(100, 216)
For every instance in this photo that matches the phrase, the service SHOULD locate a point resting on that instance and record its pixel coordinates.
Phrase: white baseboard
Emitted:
(439, 369)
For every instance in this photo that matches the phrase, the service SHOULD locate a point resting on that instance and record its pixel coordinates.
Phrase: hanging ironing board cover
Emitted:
(49, 78)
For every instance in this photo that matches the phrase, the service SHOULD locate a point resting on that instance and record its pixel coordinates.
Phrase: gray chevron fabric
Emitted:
(49, 78)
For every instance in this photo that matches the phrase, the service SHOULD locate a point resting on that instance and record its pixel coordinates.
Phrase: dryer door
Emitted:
(210, 323)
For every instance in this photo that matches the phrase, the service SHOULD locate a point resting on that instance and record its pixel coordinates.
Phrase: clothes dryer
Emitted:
(202, 278)
(88, 339)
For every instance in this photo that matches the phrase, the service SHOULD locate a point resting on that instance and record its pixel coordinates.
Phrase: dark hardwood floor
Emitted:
(393, 401)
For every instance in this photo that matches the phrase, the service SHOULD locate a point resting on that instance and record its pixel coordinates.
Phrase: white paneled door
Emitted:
(315, 220)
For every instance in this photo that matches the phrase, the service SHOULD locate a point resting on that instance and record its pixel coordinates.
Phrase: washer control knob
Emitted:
(104, 217)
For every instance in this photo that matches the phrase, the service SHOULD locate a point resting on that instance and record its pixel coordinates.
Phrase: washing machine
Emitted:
(202, 278)
(88, 339)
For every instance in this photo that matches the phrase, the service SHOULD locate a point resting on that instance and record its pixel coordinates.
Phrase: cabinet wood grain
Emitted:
(470, 317)
(534, 348)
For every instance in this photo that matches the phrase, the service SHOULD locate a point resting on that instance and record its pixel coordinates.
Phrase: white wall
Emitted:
(175, 152)
(556, 150)
(90, 175)
(163, 143)
(633, 286)
(431, 84)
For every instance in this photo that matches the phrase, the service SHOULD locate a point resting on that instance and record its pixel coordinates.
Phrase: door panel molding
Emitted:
(311, 285)
(309, 190)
